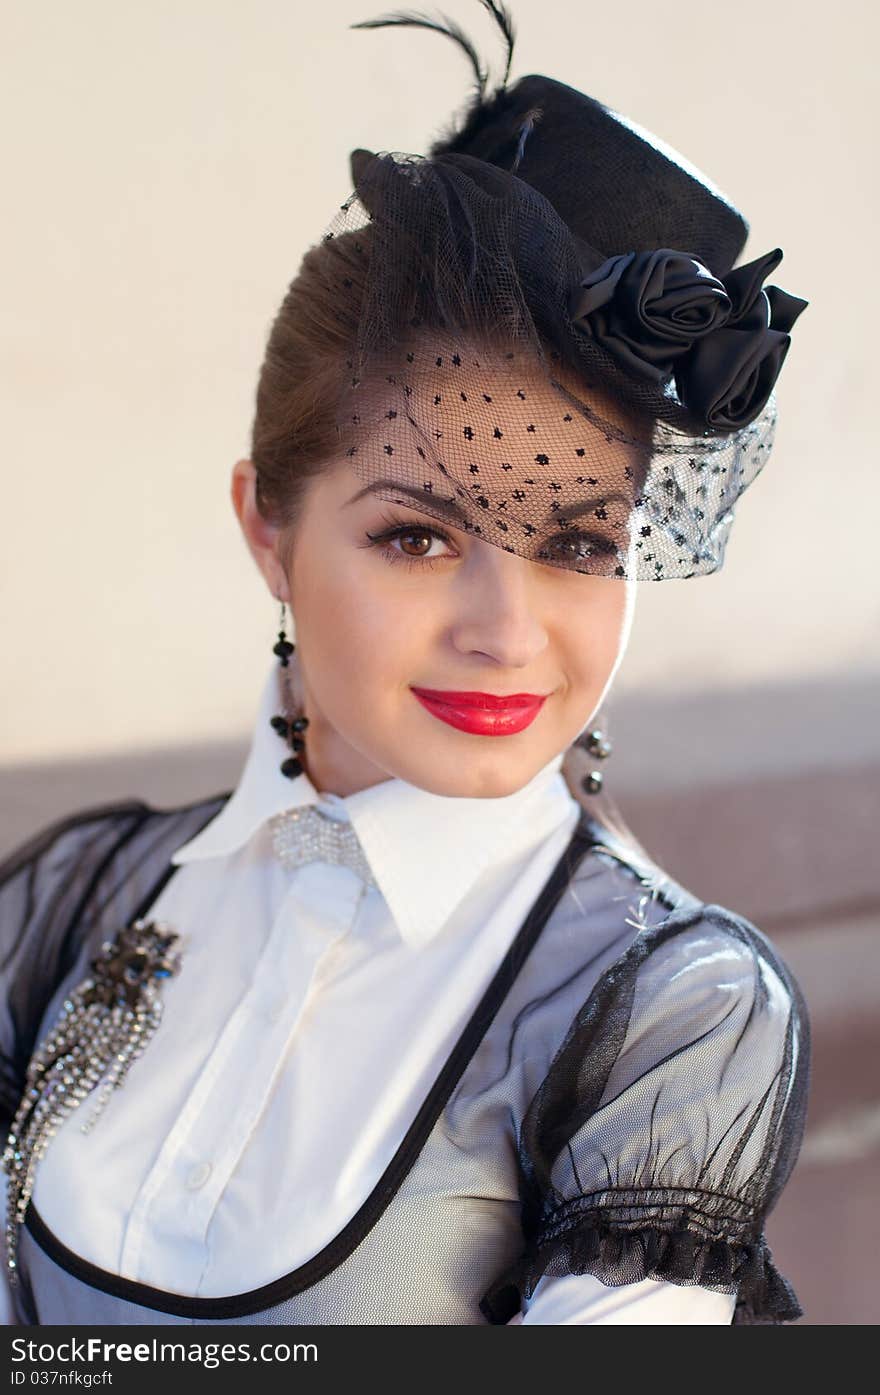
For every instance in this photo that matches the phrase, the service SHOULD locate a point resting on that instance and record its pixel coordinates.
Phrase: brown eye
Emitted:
(579, 545)
(412, 543)
(420, 537)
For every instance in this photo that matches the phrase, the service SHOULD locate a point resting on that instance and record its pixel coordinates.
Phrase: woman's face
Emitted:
(386, 600)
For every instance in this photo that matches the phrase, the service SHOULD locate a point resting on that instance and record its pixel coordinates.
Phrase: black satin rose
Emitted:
(649, 308)
(727, 378)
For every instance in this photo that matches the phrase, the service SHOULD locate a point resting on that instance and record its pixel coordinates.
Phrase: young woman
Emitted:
(407, 1028)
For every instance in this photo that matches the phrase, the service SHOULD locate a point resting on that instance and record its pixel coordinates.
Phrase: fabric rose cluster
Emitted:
(662, 312)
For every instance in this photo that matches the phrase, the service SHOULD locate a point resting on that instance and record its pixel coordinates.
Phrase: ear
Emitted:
(262, 537)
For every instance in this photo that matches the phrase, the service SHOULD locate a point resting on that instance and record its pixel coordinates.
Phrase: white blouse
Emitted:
(208, 1171)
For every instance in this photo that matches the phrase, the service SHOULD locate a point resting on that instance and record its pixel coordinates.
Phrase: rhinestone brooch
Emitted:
(103, 1027)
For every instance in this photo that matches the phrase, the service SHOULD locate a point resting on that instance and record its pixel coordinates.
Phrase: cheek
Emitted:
(612, 615)
(595, 633)
(375, 628)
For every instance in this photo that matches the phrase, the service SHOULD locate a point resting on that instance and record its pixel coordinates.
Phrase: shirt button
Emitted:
(198, 1175)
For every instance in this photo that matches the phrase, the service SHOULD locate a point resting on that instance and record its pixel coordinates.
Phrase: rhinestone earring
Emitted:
(596, 744)
(287, 727)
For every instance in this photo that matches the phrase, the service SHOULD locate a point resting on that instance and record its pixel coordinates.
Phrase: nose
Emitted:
(497, 608)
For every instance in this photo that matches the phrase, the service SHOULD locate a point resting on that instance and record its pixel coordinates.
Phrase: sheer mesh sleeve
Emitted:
(72, 885)
(669, 1121)
(43, 885)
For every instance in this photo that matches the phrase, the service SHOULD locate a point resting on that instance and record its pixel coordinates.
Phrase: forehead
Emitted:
(491, 428)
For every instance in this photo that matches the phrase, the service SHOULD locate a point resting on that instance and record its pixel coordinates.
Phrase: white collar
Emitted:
(426, 850)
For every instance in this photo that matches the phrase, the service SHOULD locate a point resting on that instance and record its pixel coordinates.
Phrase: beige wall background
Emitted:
(167, 165)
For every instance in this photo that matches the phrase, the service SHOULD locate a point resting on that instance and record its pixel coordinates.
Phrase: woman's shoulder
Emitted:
(620, 867)
(680, 941)
(90, 836)
(66, 886)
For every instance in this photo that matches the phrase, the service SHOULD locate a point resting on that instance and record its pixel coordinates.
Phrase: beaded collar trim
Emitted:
(304, 834)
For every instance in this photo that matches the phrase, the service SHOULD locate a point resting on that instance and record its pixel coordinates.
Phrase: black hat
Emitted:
(552, 228)
(616, 186)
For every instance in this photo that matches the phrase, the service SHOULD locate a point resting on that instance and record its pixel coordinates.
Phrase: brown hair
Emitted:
(294, 436)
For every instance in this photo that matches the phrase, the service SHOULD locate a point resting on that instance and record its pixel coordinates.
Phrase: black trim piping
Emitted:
(338, 1250)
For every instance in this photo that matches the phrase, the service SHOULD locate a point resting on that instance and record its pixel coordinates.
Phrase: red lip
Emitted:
(483, 714)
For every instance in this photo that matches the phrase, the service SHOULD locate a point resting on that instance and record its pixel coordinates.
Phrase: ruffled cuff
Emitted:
(681, 1237)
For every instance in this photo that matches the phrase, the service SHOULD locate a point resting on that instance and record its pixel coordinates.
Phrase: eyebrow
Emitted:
(454, 511)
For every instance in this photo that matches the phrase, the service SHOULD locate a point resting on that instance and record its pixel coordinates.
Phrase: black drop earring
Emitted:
(596, 744)
(288, 727)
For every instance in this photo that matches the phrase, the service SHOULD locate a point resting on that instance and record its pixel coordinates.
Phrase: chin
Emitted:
(474, 778)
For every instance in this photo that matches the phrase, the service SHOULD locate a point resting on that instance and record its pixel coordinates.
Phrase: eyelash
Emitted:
(397, 527)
